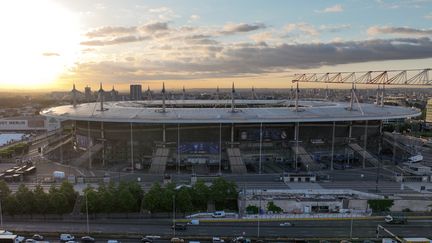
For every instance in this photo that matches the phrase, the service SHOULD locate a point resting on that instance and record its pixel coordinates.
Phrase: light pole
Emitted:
(259, 214)
(351, 227)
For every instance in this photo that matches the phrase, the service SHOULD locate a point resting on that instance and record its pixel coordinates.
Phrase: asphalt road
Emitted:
(302, 229)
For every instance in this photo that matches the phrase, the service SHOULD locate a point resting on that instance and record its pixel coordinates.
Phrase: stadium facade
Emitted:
(227, 136)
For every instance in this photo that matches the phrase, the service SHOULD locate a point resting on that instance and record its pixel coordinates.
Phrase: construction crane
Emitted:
(387, 77)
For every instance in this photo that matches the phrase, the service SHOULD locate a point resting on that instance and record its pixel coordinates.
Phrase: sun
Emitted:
(40, 39)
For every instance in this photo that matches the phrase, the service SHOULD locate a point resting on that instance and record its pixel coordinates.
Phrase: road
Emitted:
(364, 228)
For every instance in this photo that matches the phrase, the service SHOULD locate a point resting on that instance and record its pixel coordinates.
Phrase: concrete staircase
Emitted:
(236, 163)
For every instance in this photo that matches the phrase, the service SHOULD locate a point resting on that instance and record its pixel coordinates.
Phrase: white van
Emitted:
(219, 214)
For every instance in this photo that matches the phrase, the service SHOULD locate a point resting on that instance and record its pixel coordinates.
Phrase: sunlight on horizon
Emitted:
(39, 40)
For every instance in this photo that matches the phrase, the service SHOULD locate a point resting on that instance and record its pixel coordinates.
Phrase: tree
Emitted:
(183, 200)
(41, 200)
(224, 194)
(57, 201)
(273, 208)
(152, 198)
(4, 189)
(25, 200)
(252, 209)
(127, 202)
(66, 188)
(200, 194)
(380, 205)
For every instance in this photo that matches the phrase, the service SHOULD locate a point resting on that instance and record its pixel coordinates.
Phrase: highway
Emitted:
(307, 229)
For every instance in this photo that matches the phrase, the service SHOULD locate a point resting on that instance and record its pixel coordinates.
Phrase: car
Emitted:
(177, 240)
(286, 224)
(87, 239)
(178, 226)
(146, 240)
(71, 241)
(20, 239)
(113, 241)
(217, 240)
(38, 237)
(30, 241)
(66, 237)
(390, 219)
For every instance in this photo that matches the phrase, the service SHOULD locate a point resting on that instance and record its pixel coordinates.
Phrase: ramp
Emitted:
(236, 162)
(364, 154)
(159, 160)
(89, 153)
(305, 158)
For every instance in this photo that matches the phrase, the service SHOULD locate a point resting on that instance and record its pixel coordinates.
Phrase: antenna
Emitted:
(232, 98)
(149, 95)
(254, 96)
(163, 97)
(217, 92)
(101, 97)
(74, 101)
(184, 93)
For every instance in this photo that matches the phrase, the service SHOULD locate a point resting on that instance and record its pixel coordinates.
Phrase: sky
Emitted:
(205, 43)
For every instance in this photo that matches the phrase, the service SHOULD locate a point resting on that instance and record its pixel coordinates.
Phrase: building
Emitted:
(29, 123)
(429, 111)
(136, 92)
(232, 136)
(88, 94)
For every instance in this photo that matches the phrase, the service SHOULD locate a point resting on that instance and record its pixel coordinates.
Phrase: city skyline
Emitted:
(50, 45)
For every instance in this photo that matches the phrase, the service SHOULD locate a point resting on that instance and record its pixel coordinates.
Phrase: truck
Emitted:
(7, 238)
(393, 219)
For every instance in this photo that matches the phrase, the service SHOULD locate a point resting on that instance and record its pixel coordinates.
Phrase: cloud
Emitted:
(194, 17)
(335, 28)
(376, 30)
(301, 27)
(50, 54)
(428, 16)
(114, 41)
(247, 59)
(241, 28)
(332, 9)
(110, 31)
(154, 27)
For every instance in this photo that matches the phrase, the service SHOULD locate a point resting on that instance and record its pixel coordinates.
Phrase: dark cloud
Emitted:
(251, 59)
(154, 27)
(375, 30)
(241, 28)
(114, 41)
(50, 54)
(110, 31)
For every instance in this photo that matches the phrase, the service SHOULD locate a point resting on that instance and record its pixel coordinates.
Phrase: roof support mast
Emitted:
(232, 98)
(163, 98)
(101, 98)
(74, 101)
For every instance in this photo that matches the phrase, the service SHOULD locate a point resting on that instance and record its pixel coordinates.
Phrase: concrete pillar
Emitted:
(103, 143)
(132, 148)
(365, 144)
(260, 149)
(88, 145)
(332, 147)
(232, 135)
(178, 148)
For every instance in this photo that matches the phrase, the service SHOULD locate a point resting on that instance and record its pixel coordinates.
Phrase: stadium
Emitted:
(226, 136)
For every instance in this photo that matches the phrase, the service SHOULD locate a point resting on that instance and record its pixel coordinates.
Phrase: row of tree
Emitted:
(124, 197)
(58, 200)
(223, 194)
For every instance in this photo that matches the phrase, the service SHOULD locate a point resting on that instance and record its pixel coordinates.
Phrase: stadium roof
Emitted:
(219, 111)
